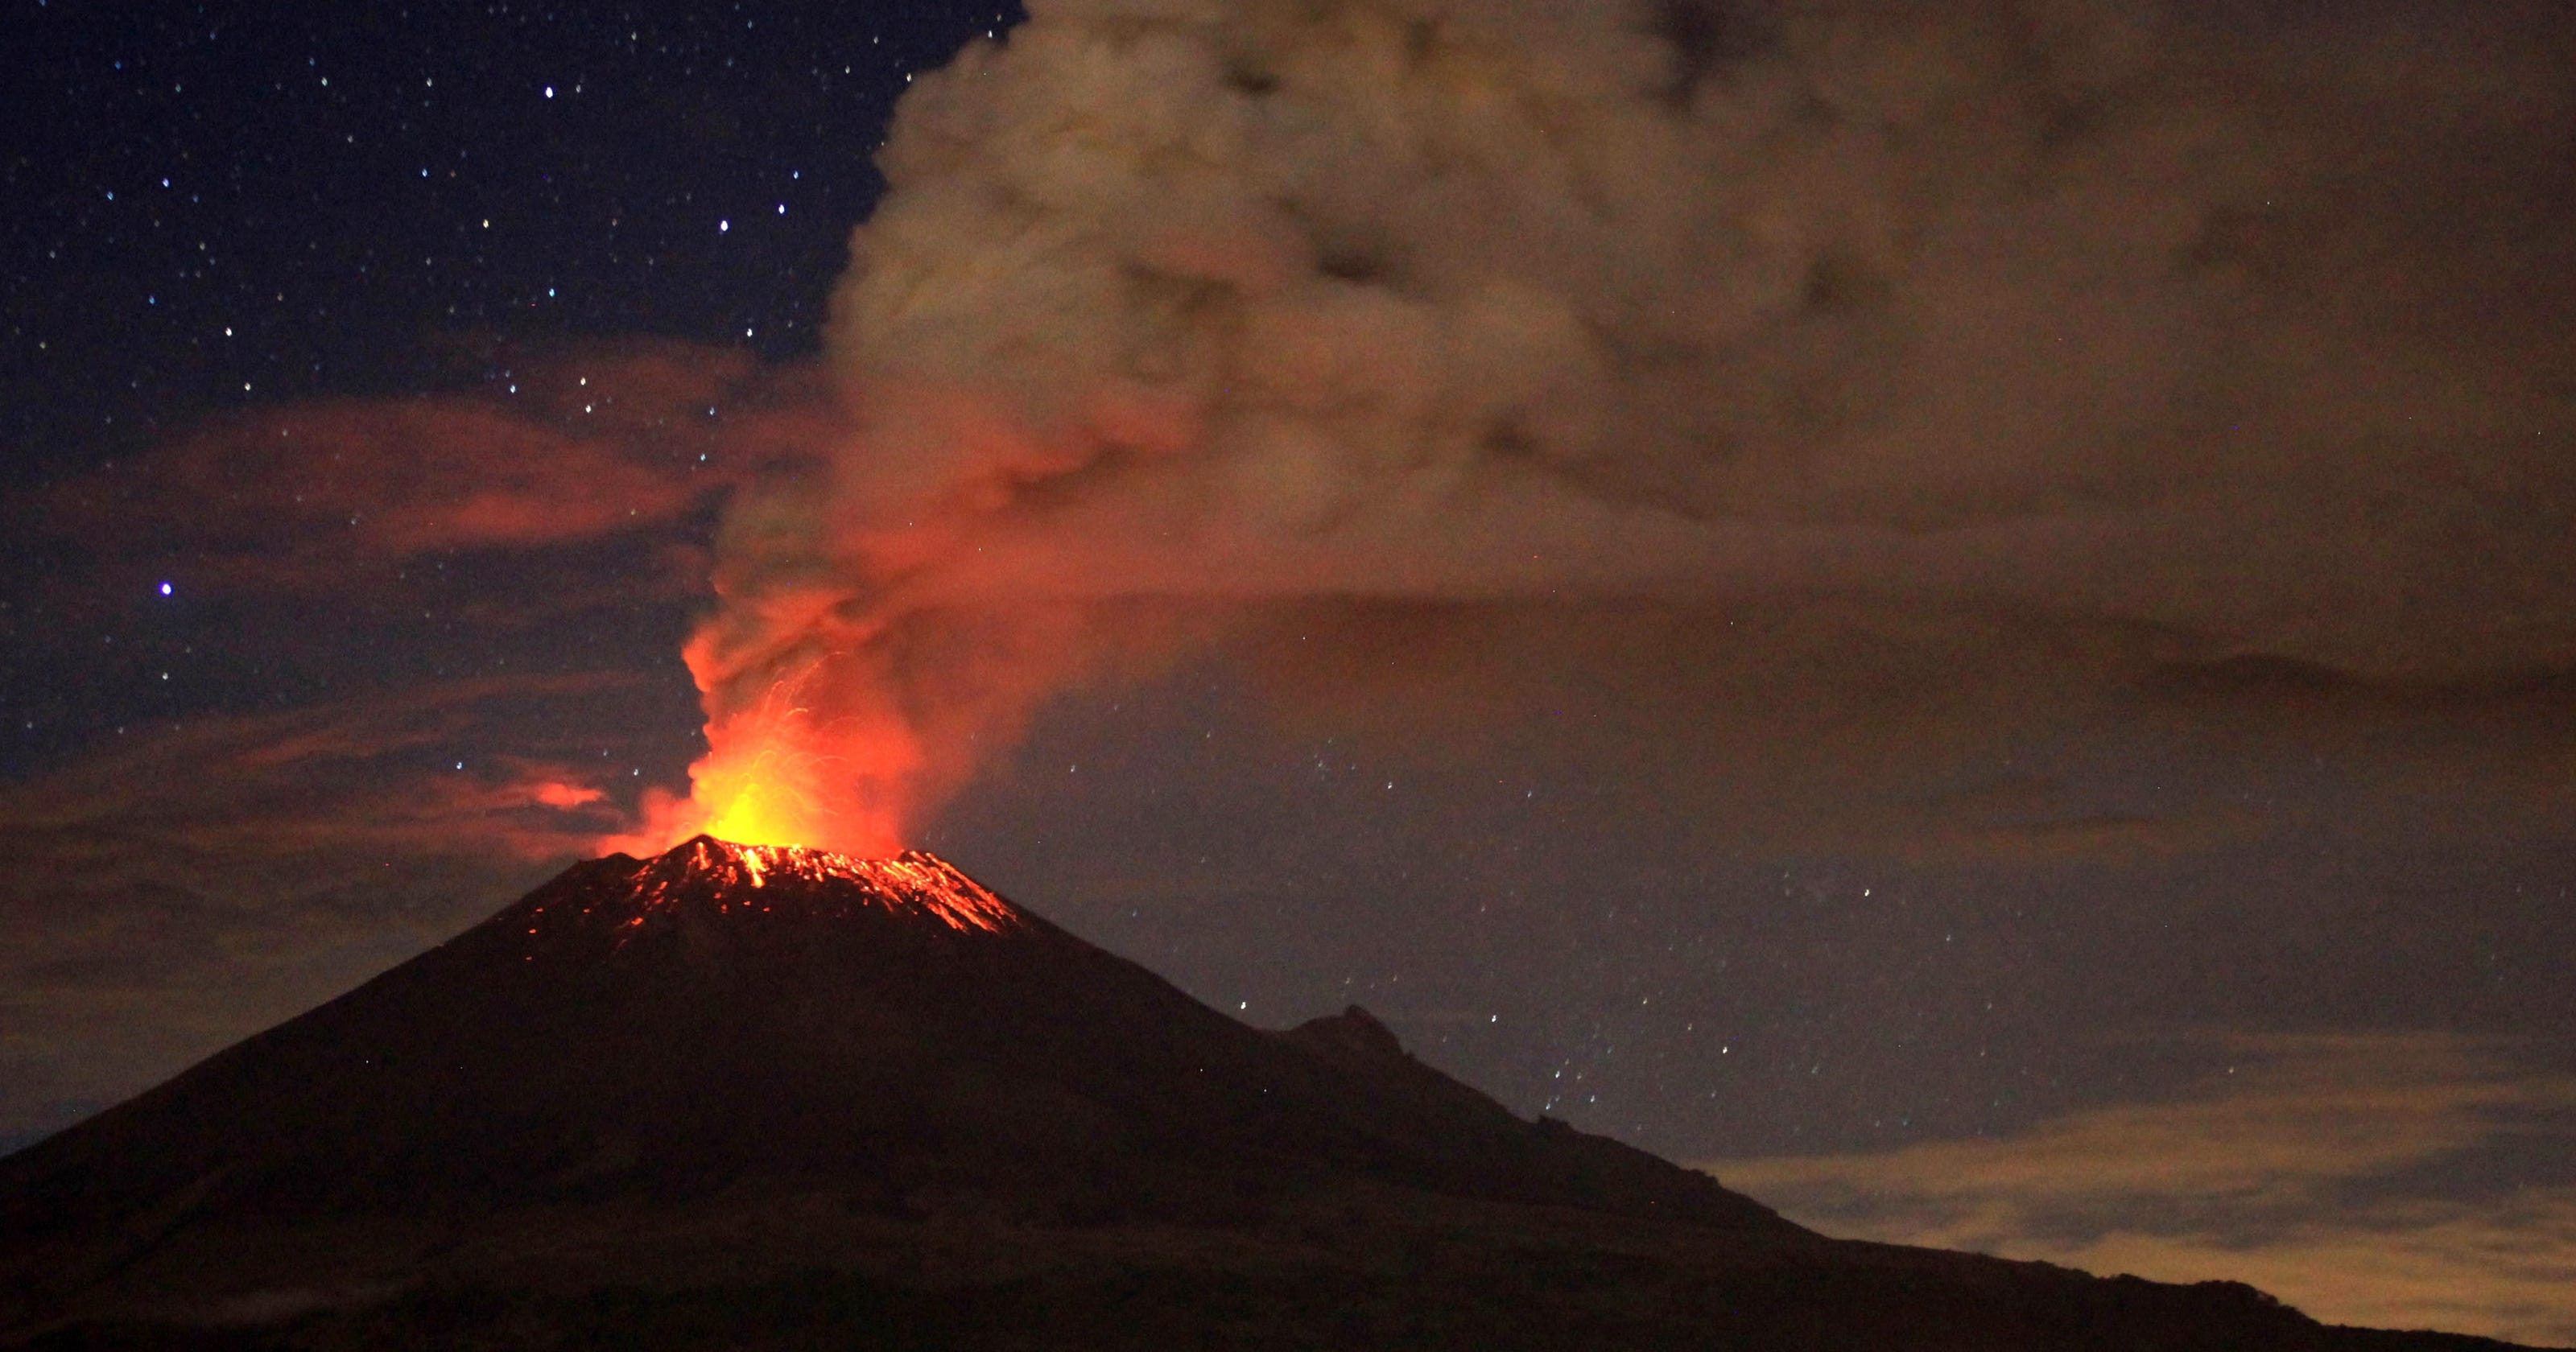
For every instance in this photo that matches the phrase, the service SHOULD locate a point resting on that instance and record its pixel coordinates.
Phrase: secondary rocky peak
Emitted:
(1354, 1031)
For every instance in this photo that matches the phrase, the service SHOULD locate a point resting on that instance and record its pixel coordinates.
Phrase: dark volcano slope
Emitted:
(665, 1028)
(746, 1097)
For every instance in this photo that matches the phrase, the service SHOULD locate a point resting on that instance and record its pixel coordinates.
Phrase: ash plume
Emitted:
(2215, 323)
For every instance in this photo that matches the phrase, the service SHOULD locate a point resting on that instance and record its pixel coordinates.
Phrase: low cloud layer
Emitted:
(189, 883)
(2326, 1170)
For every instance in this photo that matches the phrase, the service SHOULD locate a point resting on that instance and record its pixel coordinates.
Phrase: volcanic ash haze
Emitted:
(1179, 315)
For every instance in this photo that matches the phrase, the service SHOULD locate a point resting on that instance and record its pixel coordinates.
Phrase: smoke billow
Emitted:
(2208, 322)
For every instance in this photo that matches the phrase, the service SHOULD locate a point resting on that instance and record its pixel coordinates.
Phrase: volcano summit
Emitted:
(757, 1095)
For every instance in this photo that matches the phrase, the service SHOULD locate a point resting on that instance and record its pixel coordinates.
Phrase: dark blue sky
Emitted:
(372, 380)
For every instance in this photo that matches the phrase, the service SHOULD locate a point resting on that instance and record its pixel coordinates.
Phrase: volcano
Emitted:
(764, 1096)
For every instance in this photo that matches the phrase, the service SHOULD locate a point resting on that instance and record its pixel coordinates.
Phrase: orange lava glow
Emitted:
(761, 785)
(806, 765)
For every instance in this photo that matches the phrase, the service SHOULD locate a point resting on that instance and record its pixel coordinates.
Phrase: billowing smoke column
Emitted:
(1174, 305)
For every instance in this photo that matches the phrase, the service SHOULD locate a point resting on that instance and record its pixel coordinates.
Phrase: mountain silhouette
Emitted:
(750, 1096)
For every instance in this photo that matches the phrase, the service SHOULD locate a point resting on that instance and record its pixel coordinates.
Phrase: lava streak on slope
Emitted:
(710, 875)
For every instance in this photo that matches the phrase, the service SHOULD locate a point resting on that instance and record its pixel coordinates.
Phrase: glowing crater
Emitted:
(751, 877)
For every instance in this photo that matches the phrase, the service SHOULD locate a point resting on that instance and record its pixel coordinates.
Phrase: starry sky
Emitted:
(2190, 895)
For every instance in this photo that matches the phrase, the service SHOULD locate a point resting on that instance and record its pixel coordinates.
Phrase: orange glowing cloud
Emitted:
(558, 794)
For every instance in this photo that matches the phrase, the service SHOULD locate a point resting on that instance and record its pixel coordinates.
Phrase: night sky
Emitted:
(2049, 728)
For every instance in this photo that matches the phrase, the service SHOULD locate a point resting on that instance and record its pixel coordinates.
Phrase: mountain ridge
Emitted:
(777, 1075)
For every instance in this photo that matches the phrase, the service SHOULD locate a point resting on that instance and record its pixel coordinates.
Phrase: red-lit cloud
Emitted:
(558, 793)
(566, 449)
(376, 771)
